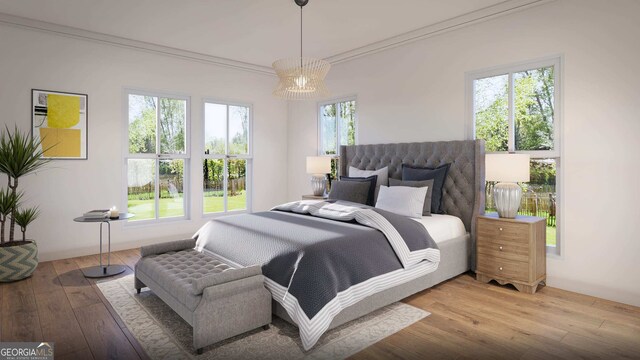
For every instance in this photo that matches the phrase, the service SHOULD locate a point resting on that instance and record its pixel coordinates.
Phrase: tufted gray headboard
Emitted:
(464, 188)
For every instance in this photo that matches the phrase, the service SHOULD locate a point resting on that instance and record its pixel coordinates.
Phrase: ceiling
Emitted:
(251, 31)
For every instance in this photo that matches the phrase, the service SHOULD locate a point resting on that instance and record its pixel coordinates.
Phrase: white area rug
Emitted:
(165, 335)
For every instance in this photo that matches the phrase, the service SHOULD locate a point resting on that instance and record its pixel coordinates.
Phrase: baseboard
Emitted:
(93, 248)
(604, 292)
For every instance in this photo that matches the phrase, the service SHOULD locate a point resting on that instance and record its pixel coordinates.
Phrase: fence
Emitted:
(215, 188)
(170, 187)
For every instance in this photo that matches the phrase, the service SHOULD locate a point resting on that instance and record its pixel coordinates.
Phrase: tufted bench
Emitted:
(217, 300)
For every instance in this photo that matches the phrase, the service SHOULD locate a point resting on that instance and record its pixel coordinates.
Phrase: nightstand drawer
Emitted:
(503, 249)
(503, 268)
(505, 231)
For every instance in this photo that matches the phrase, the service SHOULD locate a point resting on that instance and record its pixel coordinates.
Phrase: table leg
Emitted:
(104, 270)
(109, 246)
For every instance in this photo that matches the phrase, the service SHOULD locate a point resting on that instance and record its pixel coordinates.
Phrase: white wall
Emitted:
(31, 59)
(416, 92)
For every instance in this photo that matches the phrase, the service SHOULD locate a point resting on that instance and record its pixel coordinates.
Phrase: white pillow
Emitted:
(383, 174)
(402, 200)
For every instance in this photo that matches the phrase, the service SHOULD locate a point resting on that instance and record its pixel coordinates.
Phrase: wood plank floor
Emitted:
(469, 320)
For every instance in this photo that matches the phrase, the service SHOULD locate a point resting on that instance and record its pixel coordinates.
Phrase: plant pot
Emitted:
(18, 261)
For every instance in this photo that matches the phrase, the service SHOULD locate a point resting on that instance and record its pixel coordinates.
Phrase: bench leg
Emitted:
(138, 285)
(266, 327)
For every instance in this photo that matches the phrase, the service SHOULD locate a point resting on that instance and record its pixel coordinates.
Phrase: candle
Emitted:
(113, 212)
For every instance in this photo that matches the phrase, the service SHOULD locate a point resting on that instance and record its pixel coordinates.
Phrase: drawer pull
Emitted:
(500, 229)
(500, 268)
(500, 247)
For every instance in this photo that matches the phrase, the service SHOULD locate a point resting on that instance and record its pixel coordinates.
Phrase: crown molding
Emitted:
(71, 32)
(474, 17)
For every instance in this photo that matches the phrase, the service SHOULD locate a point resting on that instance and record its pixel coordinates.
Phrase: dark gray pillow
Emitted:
(354, 191)
(439, 175)
(371, 180)
(426, 211)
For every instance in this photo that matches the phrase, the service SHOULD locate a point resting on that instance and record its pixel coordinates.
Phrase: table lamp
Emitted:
(507, 169)
(318, 167)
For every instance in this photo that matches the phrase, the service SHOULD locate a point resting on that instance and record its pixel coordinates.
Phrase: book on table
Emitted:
(96, 214)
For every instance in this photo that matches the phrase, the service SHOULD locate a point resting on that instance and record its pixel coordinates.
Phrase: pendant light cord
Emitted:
(300, 38)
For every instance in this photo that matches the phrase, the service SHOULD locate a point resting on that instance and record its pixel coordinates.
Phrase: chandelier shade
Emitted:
(301, 78)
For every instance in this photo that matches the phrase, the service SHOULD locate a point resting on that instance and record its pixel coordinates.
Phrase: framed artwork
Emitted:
(59, 121)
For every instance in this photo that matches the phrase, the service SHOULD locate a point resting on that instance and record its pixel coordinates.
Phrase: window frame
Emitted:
(248, 157)
(556, 153)
(158, 156)
(336, 101)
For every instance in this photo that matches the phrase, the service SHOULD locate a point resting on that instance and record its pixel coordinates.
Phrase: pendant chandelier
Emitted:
(301, 78)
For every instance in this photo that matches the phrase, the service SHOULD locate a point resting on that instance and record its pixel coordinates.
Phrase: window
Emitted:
(516, 109)
(227, 157)
(336, 126)
(157, 159)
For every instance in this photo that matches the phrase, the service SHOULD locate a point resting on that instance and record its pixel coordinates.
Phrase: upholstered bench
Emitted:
(217, 300)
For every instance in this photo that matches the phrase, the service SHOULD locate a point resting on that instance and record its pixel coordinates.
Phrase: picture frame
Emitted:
(59, 120)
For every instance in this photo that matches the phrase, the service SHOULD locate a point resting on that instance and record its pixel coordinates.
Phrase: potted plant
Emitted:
(20, 155)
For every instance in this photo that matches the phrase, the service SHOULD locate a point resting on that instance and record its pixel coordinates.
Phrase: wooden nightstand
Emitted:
(512, 251)
(313, 197)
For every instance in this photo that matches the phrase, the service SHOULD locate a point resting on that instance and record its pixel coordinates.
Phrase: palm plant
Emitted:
(24, 217)
(20, 155)
(8, 202)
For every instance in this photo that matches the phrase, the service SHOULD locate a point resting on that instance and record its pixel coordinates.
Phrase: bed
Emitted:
(453, 232)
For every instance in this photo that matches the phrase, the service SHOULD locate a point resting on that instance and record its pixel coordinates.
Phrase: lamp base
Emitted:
(506, 197)
(318, 184)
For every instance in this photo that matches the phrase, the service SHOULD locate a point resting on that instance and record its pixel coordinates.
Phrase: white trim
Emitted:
(76, 33)
(455, 23)
(225, 157)
(312, 329)
(557, 62)
(337, 102)
(157, 156)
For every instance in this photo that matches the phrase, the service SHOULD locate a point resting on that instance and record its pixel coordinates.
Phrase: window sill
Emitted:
(154, 222)
(220, 214)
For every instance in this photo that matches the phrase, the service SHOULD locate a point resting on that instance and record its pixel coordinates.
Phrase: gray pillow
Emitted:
(439, 175)
(354, 191)
(382, 174)
(371, 180)
(426, 210)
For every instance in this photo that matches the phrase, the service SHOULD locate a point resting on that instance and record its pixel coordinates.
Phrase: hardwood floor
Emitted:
(469, 320)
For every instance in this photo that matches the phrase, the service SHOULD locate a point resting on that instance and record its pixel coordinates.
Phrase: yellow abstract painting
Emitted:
(60, 143)
(63, 111)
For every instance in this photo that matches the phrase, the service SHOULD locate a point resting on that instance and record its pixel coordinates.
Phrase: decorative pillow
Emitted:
(402, 200)
(382, 174)
(439, 175)
(371, 180)
(426, 210)
(354, 191)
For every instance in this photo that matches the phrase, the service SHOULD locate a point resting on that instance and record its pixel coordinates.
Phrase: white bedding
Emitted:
(443, 227)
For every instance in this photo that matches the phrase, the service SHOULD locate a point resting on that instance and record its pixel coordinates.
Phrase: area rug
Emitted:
(165, 335)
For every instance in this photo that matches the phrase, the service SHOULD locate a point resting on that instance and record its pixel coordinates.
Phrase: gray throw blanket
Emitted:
(320, 257)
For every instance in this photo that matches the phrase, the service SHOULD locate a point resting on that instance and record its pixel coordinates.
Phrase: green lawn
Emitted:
(551, 235)
(144, 209)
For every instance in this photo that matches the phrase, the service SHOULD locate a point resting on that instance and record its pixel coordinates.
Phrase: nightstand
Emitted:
(313, 197)
(512, 251)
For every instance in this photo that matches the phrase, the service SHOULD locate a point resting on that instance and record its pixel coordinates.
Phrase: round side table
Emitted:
(108, 269)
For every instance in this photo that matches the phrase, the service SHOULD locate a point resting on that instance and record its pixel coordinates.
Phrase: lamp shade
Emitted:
(507, 167)
(318, 165)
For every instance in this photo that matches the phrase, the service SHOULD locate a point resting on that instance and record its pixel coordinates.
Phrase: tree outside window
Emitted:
(336, 127)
